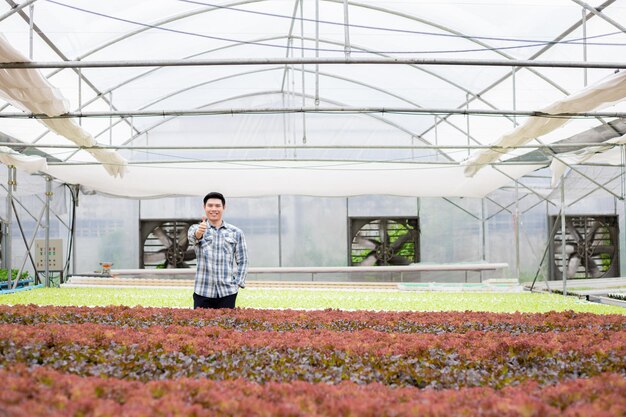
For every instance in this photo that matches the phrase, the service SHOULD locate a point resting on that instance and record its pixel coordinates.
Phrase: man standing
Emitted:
(219, 246)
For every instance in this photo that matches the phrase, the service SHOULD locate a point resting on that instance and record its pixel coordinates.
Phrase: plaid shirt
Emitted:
(216, 253)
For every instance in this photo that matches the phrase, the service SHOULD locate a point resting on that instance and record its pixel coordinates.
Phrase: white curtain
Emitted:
(604, 93)
(28, 90)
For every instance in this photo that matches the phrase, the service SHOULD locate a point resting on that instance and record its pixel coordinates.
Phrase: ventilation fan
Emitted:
(165, 244)
(591, 247)
(384, 241)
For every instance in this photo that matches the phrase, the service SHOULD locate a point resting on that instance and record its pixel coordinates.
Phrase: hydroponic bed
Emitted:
(317, 299)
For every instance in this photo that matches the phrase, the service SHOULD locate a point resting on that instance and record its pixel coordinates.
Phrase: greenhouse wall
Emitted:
(314, 231)
(106, 231)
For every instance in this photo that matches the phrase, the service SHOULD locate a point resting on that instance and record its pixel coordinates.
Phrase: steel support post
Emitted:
(584, 21)
(621, 223)
(516, 228)
(317, 52)
(47, 231)
(346, 30)
(74, 202)
(563, 236)
(28, 245)
(280, 233)
(302, 75)
(31, 25)
(16, 9)
(6, 247)
(483, 231)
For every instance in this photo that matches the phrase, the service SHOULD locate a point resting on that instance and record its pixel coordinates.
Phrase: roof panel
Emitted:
(118, 31)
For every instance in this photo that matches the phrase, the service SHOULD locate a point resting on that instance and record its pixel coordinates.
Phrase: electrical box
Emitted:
(55, 254)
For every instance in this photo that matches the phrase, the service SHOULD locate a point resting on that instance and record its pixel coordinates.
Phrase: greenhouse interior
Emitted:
(343, 134)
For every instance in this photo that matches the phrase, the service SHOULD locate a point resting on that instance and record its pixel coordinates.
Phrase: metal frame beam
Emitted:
(351, 161)
(16, 8)
(274, 110)
(168, 118)
(56, 50)
(587, 177)
(20, 146)
(27, 245)
(597, 189)
(598, 12)
(46, 210)
(293, 18)
(521, 63)
(204, 83)
(523, 185)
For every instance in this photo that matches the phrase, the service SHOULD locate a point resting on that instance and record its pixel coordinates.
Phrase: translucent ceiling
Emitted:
(280, 126)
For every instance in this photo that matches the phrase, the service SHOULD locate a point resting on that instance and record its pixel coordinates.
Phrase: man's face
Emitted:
(214, 210)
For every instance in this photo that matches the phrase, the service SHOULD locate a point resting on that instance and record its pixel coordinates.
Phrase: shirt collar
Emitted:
(223, 225)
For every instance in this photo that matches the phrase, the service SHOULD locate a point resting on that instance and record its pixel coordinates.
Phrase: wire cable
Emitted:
(284, 47)
(394, 30)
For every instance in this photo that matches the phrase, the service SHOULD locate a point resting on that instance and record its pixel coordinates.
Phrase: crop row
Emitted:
(45, 392)
(445, 361)
(334, 320)
(436, 369)
(209, 339)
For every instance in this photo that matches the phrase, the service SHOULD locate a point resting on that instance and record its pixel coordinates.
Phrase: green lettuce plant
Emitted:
(3, 274)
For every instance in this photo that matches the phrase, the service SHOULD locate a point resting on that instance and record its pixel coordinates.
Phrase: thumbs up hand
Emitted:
(201, 228)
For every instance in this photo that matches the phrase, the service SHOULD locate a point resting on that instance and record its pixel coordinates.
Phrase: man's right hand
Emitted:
(201, 228)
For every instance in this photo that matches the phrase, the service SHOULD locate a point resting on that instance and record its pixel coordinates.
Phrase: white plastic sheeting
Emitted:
(607, 153)
(340, 154)
(319, 179)
(599, 95)
(30, 164)
(29, 90)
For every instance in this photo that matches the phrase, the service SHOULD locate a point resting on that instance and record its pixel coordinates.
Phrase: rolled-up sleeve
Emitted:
(191, 234)
(241, 257)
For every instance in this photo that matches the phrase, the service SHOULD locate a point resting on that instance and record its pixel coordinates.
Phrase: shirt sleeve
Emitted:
(191, 234)
(241, 257)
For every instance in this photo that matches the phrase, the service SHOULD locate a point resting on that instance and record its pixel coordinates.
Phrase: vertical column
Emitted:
(418, 250)
(348, 235)
(280, 233)
(110, 118)
(435, 124)
(584, 20)
(514, 96)
(317, 52)
(516, 213)
(516, 227)
(47, 232)
(302, 71)
(346, 29)
(467, 124)
(291, 82)
(483, 240)
(622, 230)
(6, 247)
(563, 236)
(80, 94)
(285, 125)
(549, 243)
(31, 13)
(76, 190)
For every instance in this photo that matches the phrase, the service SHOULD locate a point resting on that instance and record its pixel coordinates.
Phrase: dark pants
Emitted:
(219, 302)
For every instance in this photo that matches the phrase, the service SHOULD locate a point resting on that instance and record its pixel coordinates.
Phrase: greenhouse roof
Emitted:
(316, 97)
